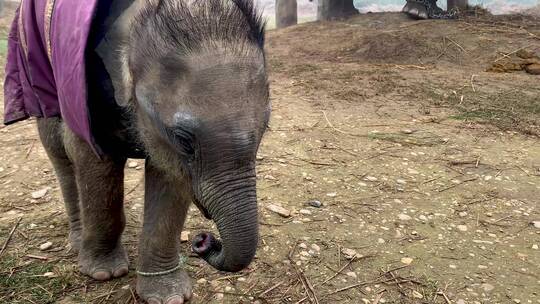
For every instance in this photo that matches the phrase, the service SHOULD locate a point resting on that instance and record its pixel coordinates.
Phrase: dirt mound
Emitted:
(391, 48)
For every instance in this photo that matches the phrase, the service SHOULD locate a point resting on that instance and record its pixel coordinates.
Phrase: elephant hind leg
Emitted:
(51, 135)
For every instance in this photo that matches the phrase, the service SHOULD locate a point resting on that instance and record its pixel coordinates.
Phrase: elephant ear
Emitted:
(124, 95)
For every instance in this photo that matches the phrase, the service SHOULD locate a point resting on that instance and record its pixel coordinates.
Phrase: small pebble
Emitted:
(463, 214)
(462, 228)
(423, 218)
(404, 217)
(184, 236)
(536, 224)
(349, 253)
(133, 164)
(315, 204)
(372, 178)
(407, 261)
(305, 212)
(331, 194)
(535, 247)
(279, 210)
(352, 274)
(40, 193)
(315, 247)
(487, 287)
(49, 274)
(201, 281)
(45, 246)
(417, 295)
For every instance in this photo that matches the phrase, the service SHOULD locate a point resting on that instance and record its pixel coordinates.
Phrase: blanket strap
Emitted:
(49, 9)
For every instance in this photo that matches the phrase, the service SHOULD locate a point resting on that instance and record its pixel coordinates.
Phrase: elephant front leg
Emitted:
(101, 189)
(160, 277)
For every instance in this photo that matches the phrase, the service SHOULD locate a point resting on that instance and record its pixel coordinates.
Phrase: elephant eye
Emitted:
(183, 141)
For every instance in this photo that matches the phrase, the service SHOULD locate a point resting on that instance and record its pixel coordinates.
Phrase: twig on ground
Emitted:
(337, 272)
(445, 297)
(345, 288)
(307, 286)
(511, 53)
(457, 44)
(30, 149)
(270, 289)
(472, 82)
(458, 184)
(10, 235)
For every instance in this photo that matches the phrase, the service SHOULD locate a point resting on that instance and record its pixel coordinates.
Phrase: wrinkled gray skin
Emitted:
(199, 117)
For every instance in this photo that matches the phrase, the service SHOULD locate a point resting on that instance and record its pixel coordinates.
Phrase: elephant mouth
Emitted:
(203, 210)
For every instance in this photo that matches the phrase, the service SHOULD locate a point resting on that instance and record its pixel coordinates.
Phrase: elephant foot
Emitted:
(104, 266)
(173, 288)
(422, 9)
(75, 239)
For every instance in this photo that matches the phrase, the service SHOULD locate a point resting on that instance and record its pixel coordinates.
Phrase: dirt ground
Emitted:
(426, 165)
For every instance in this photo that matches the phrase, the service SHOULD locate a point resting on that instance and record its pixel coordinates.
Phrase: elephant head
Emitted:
(200, 95)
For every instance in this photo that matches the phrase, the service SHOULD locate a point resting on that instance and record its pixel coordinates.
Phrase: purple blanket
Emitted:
(45, 71)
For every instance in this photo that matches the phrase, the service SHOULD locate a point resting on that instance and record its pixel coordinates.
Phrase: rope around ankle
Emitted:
(181, 261)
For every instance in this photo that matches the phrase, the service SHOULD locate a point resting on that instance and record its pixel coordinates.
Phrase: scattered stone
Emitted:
(487, 287)
(303, 246)
(417, 295)
(352, 274)
(40, 193)
(372, 178)
(133, 164)
(219, 296)
(404, 217)
(463, 214)
(412, 171)
(462, 228)
(535, 247)
(228, 289)
(315, 247)
(381, 241)
(533, 69)
(349, 253)
(269, 177)
(279, 210)
(331, 194)
(315, 204)
(45, 246)
(184, 236)
(407, 261)
(518, 300)
(202, 281)
(407, 131)
(32, 226)
(423, 218)
(482, 267)
(461, 301)
(536, 224)
(305, 253)
(305, 212)
(452, 266)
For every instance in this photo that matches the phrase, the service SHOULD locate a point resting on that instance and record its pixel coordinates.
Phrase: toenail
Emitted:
(102, 275)
(153, 301)
(121, 271)
(175, 300)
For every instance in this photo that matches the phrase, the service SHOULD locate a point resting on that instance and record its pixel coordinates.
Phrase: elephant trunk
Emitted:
(232, 204)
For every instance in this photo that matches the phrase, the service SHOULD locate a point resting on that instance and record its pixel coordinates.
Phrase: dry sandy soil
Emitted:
(426, 165)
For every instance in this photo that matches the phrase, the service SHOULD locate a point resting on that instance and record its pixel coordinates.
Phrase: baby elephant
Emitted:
(183, 85)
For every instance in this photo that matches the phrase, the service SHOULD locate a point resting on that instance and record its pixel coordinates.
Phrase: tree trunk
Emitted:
(458, 4)
(333, 9)
(286, 13)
